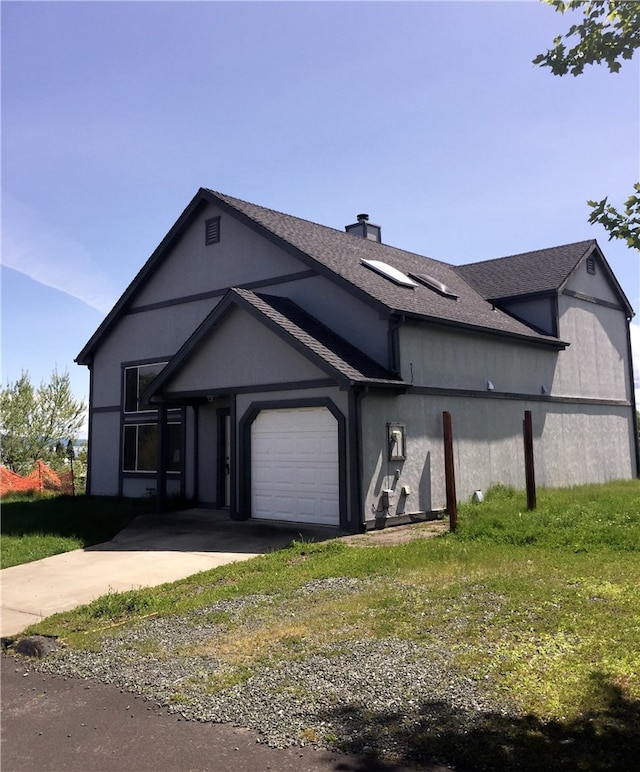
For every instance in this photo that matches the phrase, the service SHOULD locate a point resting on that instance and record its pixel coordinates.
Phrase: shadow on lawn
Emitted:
(90, 518)
(441, 737)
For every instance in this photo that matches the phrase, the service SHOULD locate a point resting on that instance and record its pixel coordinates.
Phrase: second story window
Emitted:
(136, 380)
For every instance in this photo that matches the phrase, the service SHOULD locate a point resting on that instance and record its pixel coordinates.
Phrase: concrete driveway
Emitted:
(151, 550)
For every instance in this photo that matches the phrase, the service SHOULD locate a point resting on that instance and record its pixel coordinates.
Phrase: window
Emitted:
(140, 430)
(389, 272)
(136, 380)
(212, 231)
(140, 447)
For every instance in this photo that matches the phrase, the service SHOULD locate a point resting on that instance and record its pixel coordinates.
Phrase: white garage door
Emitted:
(294, 466)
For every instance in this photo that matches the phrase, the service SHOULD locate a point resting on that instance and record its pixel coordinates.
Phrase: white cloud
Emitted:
(48, 255)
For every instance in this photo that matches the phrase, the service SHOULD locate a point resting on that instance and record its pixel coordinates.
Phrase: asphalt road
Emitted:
(55, 724)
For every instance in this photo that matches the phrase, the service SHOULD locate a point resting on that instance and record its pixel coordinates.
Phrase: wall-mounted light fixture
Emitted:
(544, 389)
(490, 386)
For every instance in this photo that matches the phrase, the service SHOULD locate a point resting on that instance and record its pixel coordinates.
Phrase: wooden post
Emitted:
(449, 471)
(161, 478)
(529, 466)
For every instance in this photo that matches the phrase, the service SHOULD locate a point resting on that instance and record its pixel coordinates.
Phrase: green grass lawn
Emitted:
(36, 527)
(541, 607)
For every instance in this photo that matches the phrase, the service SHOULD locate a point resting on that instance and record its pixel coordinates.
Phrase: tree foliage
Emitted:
(621, 225)
(34, 421)
(608, 33)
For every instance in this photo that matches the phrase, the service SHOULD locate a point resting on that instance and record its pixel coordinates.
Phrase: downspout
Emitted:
(87, 481)
(634, 406)
(395, 323)
(355, 458)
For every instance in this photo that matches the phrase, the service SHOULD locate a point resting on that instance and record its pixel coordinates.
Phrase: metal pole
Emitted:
(529, 466)
(449, 471)
(71, 454)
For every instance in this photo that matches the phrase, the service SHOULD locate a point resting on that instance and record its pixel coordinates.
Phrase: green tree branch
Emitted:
(608, 33)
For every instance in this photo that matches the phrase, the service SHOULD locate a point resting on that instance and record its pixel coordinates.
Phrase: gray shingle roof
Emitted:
(528, 273)
(339, 253)
(318, 340)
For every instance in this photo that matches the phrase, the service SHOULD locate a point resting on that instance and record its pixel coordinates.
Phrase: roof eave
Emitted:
(479, 329)
(595, 247)
(86, 354)
(233, 299)
(296, 252)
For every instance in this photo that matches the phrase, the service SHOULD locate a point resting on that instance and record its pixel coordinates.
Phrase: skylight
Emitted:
(389, 272)
(434, 284)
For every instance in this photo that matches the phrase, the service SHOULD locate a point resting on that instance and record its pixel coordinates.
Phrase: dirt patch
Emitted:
(398, 534)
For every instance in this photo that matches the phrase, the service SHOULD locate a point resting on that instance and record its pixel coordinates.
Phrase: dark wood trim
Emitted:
(221, 414)
(244, 457)
(522, 397)
(201, 395)
(590, 299)
(355, 515)
(219, 293)
(90, 415)
(148, 361)
(161, 482)
(235, 462)
(534, 339)
(196, 453)
(634, 406)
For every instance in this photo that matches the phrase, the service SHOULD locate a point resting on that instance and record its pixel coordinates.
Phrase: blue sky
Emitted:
(428, 115)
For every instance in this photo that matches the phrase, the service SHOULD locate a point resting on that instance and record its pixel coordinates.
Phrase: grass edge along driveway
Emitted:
(542, 607)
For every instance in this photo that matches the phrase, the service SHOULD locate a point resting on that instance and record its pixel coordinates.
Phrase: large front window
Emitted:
(140, 430)
(140, 452)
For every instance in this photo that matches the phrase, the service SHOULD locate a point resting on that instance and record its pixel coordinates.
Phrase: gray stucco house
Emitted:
(291, 371)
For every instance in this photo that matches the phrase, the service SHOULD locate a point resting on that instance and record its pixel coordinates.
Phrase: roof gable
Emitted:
(339, 256)
(322, 347)
(543, 271)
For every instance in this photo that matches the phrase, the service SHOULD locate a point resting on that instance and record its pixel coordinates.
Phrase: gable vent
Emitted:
(434, 284)
(591, 265)
(212, 231)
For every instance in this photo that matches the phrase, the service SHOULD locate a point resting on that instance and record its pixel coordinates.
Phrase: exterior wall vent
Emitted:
(365, 229)
(591, 265)
(212, 231)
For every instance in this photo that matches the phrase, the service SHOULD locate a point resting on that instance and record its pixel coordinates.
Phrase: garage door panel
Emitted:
(294, 466)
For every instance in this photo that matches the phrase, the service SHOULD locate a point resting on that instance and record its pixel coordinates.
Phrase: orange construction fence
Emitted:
(43, 478)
